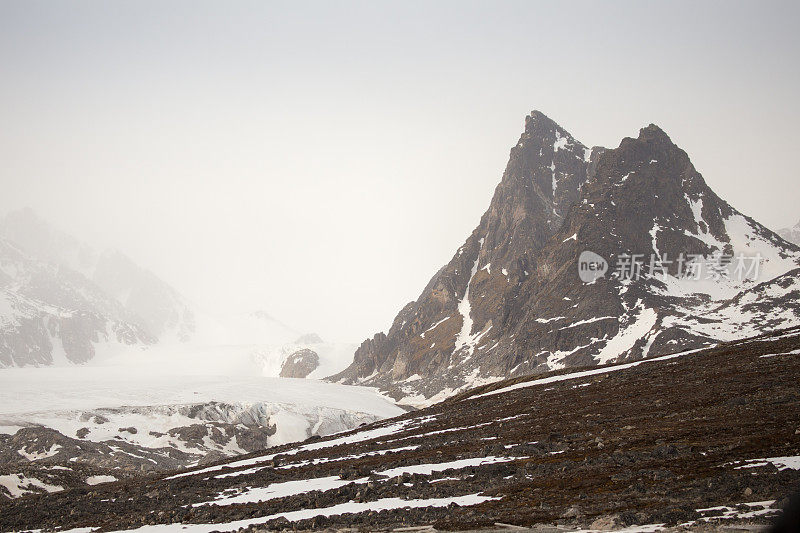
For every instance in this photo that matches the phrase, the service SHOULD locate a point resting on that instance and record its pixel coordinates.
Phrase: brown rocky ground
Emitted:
(645, 444)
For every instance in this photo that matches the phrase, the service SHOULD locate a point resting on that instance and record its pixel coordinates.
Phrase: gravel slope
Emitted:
(711, 435)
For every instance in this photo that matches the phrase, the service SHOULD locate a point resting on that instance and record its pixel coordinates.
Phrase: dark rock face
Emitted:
(510, 302)
(300, 364)
(247, 438)
(543, 178)
(694, 438)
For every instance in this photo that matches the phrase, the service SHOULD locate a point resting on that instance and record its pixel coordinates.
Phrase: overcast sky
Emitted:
(322, 160)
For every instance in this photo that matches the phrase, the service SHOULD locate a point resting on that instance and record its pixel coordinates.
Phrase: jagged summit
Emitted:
(511, 301)
(538, 120)
(545, 172)
(654, 132)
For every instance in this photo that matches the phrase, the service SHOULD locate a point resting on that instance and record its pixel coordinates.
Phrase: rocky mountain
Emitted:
(697, 441)
(791, 234)
(50, 313)
(161, 310)
(300, 364)
(672, 266)
(110, 299)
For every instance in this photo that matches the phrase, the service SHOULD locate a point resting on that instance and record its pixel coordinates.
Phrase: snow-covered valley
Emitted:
(60, 399)
(109, 372)
(159, 408)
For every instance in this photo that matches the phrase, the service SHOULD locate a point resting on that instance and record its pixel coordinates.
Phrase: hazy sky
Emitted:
(322, 160)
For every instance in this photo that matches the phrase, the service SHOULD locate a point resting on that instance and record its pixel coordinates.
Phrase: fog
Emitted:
(321, 161)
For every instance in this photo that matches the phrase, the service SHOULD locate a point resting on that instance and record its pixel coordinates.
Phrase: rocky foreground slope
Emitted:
(681, 268)
(690, 438)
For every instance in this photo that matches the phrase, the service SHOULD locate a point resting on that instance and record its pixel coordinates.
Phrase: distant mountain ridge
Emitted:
(791, 234)
(160, 309)
(62, 300)
(50, 313)
(510, 301)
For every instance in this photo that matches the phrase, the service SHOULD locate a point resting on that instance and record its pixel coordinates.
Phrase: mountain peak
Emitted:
(541, 183)
(511, 301)
(652, 144)
(539, 122)
(653, 131)
(538, 115)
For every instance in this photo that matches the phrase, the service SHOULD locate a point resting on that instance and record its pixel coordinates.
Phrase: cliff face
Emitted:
(511, 302)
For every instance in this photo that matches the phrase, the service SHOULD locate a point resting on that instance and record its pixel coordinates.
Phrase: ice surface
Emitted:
(47, 390)
(149, 397)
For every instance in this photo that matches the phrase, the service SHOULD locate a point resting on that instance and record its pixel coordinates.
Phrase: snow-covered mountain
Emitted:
(62, 301)
(50, 313)
(160, 309)
(791, 234)
(680, 268)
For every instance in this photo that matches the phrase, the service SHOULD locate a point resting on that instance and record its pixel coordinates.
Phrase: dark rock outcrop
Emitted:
(510, 302)
(300, 364)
